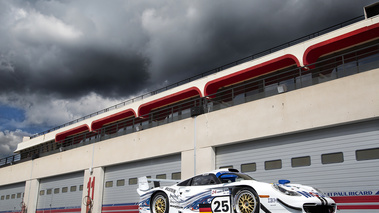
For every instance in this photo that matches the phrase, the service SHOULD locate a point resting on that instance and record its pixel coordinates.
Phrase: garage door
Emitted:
(341, 161)
(11, 197)
(121, 181)
(61, 193)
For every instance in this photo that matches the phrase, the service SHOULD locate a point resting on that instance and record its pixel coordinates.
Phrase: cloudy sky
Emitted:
(64, 59)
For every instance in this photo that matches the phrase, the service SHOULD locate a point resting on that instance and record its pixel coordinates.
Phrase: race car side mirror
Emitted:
(284, 181)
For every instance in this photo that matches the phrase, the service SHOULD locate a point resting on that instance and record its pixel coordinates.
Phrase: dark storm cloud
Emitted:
(60, 60)
(116, 49)
(79, 72)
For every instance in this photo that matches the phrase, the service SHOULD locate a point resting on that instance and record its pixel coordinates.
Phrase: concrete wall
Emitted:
(337, 102)
(345, 100)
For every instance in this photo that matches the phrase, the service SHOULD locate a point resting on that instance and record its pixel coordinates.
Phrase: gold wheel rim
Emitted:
(160, 205)
(246, 203)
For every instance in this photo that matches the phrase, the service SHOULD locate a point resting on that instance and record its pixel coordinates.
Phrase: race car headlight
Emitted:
(285, 191)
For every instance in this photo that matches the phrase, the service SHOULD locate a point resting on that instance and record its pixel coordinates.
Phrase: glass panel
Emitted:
(120, 182)
(301, 161)
(249, 167)
(274, 164)
(133, 181)
(367, 154)
(162, 176)
(332, 158)
(176, 176)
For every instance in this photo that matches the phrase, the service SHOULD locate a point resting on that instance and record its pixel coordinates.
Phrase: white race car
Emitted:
(229, 191)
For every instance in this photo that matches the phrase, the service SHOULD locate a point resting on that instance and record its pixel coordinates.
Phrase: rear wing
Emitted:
(145, 184)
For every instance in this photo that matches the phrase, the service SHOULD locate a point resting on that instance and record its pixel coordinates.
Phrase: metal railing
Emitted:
(215, 70)
(286, 80)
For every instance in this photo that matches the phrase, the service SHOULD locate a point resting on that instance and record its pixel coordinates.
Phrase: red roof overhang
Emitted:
(350, 39)
(249, 73)
(97, 124)
(170, 99)
(74, 131)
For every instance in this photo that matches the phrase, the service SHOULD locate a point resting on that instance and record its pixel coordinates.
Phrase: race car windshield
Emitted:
(234, 177)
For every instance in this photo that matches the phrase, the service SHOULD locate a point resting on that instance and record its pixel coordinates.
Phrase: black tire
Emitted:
(159, 203)
(246, 200)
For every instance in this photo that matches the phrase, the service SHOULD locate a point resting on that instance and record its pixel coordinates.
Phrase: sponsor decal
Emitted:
(220, 192)
(351, 193)
(170, 190)
(205, 208)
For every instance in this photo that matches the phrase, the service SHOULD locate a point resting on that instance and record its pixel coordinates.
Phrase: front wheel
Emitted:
(160, 203)
(246, 201)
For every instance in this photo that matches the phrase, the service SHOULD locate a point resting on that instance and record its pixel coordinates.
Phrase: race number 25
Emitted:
(221, 205)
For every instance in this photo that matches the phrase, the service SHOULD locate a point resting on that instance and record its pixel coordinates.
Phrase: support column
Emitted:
(31, 195)
(205, 161)
(93, 186)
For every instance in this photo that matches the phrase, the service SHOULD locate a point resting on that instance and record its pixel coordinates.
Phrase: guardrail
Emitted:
(218, 69)
(340, 66)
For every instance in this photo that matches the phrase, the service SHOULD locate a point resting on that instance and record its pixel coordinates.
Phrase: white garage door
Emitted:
(120, 182)
(341, 161)
(61, 192)
(11, 197)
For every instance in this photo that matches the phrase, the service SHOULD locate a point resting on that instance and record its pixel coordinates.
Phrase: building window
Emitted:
(18, 195)
(176, 176)
(161, 176)
(56, 191)
(301, 161)
(133, 181)
(49, 191)
(274, 164)
(8, 196)
(367, 154)
(120, 182)
(249, 167)
(2, 197)
(13, 196)
(73, 189)
(108, 184)
(81, 188)
(332, 158)
(64, 189)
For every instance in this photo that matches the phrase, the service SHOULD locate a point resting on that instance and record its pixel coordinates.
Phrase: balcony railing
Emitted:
(218, 69)
(290, 79)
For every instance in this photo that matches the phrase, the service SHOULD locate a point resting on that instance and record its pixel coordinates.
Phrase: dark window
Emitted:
(273, 164)
(64, 189)
(249, 167)
(18, 195)
(226, 167)
(176, 176)
(49, 191)
(56, 191)
(367, 154)
(161, 176)
(13, 196)
(202, 180)
(133, 181)
(332, 158)
(120, 182)
(301, 161)
(81, 188)
(185, 183)
(108, 184)
(8, 196)
(73, 189)
(2, 197)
